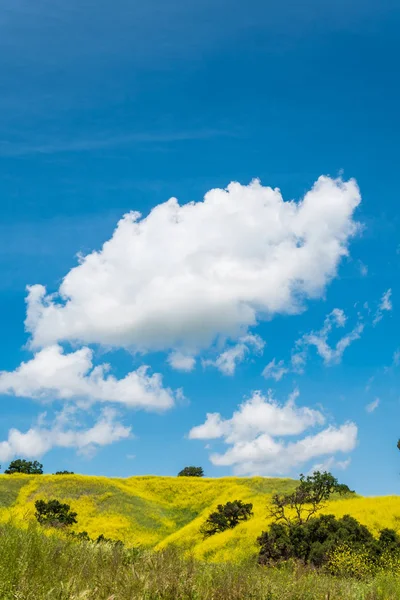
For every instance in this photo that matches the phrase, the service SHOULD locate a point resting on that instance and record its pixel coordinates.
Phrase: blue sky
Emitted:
(108, 108)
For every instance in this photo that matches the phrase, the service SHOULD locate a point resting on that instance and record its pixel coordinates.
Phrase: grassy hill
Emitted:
(159, 511)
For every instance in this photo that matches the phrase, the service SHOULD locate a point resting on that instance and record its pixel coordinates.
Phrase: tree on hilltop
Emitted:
(64, 473)
(24, 466)
(191, 472)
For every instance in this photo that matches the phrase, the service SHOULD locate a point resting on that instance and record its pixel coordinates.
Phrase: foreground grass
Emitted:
(34, 566)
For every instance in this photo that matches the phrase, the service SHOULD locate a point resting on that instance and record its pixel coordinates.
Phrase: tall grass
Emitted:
(34, 566)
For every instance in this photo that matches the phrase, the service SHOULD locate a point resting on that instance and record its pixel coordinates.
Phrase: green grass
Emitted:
(34, 566)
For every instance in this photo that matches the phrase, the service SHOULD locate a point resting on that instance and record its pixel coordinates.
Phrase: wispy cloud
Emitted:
(107, 140)
(384, 306)
(330, 353)
(372, 406)
(275, 370)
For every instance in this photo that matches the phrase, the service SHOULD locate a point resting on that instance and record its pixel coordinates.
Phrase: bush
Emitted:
(83, 536)
(227, 516)
(24, 466)
(64, 473)
(191, 472)
(54, 513)
(316, 541)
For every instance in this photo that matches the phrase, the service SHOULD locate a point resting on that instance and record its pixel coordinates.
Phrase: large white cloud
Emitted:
(185, 275)
(254, 435)
(39, 439)
(52, 374)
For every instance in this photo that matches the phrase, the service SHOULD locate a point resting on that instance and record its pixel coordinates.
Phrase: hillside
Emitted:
(157, 511)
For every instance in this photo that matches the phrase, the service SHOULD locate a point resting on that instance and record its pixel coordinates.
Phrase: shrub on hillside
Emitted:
(191, 472)
(24, 466)
(316, 541)
(101, 539)
(54, 513)
(227, 516)
(64, 473)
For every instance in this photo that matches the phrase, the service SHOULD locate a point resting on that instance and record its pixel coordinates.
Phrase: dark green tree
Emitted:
(54, 513)
(227, 516)
(312, 493)
(64, 473)
(313, 542)
(24, 466)
(191, 472)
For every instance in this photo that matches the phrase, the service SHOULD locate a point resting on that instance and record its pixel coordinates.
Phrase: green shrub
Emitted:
(54, 513)
(64, 473)
(191, 472)
(227, 516)
(314, 542)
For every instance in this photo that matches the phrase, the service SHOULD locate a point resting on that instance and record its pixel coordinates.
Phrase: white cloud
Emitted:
(319, 339)
(384, 306)
(386, 302)
(228, 360)
(331, 354)
(40, 439)
(331, 464)
(275, 370)
(181, 362)
(363, 269)
(372, 405)
(51, 374)
(185, 275)
(253, 430)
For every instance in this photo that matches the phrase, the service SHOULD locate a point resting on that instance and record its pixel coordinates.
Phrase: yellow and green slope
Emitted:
(157, 511)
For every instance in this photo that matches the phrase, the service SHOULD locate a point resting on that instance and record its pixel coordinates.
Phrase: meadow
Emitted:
(34, 566)
(163, 512)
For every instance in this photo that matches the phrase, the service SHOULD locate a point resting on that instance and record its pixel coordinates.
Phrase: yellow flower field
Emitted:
(159, 511)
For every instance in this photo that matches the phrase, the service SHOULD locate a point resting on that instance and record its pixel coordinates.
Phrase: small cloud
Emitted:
(131, 456)
(181, 362)
(372, 405)
(363, 269)
(384, 306)
(275, 370)
(319, 339)
(330, 464)
(228, 360)
(386, 302)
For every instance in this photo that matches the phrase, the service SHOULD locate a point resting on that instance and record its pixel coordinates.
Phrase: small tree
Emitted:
(191, 472)
(64, 473)
(307, 499)
(24, 466)
(227, 516)
(54, 513)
